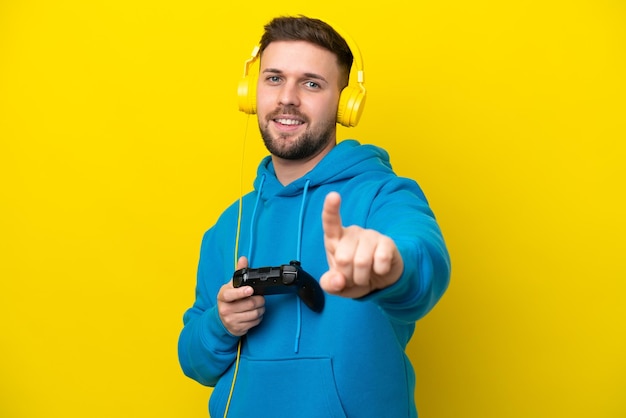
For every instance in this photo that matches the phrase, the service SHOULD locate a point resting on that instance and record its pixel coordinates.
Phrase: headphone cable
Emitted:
(239, 216)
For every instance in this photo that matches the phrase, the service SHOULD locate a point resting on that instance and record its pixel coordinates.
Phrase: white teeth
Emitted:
(289, 121)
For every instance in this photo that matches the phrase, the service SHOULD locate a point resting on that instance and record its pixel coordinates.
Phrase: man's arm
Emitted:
(400, 262)
(207, 345)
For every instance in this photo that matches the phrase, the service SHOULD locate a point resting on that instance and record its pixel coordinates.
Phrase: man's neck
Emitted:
(288, 171)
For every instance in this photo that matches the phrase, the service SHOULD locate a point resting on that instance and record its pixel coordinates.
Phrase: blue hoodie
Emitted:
(348, 360)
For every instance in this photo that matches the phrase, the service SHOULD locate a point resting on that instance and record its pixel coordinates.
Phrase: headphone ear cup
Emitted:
(246, 92)
(350, 106)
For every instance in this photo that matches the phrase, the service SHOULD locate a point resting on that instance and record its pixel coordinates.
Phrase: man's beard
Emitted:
(308, 144)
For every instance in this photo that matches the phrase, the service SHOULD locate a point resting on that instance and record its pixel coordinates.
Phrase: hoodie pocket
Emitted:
(302, 387)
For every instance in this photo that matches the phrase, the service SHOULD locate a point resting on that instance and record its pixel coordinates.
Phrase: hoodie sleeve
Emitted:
(401, 211)
(205, 347)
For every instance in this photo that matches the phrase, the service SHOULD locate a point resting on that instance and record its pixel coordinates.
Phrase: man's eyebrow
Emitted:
(306, 75)
(272, 70)
(315, 76)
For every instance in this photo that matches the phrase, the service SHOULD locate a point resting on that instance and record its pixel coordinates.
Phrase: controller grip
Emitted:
(310, 291)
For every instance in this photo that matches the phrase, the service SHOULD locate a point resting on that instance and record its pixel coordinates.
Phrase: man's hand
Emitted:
(238, 309)
(360, 260)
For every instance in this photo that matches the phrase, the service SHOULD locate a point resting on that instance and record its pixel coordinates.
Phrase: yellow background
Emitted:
(120, 143)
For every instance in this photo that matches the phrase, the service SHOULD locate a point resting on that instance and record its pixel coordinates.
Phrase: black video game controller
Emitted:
(283, 279)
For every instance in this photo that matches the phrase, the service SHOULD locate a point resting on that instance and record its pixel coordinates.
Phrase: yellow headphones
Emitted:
(352, 97)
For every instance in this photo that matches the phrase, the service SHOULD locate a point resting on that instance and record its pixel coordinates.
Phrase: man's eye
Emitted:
(273, 79)
(312, 84)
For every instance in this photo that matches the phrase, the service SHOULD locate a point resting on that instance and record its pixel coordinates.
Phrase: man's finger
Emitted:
(231, 294)
(331, 219)
(242, 262)
(332, 282)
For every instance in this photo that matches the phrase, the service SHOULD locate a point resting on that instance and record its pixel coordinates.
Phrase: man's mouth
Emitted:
(288, 122)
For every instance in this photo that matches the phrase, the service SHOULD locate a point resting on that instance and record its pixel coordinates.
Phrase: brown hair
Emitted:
(315, 31)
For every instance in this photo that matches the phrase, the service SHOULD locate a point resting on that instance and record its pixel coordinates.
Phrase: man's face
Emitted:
(297, 98)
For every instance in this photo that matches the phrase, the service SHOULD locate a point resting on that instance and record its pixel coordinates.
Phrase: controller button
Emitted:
(289, 277)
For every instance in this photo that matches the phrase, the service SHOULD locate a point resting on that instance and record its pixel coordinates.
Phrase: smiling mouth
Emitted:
(288, 122)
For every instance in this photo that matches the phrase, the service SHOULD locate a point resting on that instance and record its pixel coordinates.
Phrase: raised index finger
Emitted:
(331, 220)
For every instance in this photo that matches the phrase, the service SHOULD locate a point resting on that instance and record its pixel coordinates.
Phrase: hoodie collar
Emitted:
(345, 160)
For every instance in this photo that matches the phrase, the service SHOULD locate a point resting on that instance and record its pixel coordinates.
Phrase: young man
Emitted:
(367, 235)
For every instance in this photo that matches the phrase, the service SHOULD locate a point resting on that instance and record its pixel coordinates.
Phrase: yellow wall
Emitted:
(120, 142)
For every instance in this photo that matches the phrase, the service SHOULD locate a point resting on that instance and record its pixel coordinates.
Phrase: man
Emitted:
(366, 234)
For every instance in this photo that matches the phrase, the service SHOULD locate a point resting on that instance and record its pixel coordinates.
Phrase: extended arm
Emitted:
(398, 259)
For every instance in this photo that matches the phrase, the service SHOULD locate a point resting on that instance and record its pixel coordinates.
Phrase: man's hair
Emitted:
(315, 31)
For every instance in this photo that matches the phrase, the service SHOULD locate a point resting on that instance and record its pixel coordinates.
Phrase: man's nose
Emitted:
(288, 95)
